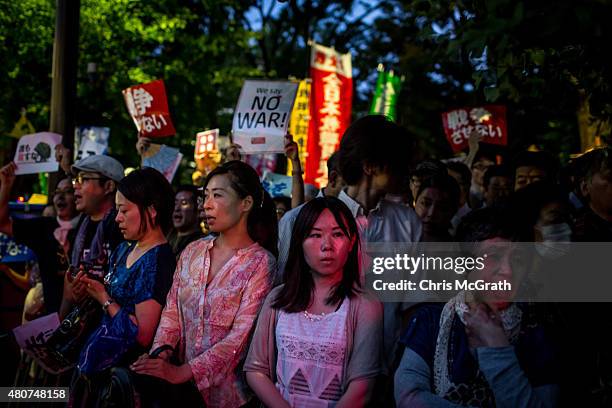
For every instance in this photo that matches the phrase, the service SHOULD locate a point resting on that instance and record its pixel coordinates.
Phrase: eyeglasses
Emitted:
(80, 179)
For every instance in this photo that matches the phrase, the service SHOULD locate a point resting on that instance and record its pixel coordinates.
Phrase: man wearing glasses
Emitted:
(94, 181)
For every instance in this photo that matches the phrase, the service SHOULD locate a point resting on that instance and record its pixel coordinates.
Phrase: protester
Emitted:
(319, 336)
(283, 205)
(217, 291)
(480, 349)
(185, 220)
(297, 182)
(595, 223)
(49, 238)
(310, 192)
(591, 336)
(370, 168)
(135, 288)
(533, 166)
(483, 160)
(335, 183)
(575, 173)
(542, 213)
(424, 171)
(95, 182)
(436, 201)
(462, 175)
(497, 186)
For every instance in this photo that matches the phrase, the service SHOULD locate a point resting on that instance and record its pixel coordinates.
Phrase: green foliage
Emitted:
(534, 57)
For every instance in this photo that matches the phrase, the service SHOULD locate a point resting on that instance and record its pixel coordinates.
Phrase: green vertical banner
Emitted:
(378, 100)
(393, 85)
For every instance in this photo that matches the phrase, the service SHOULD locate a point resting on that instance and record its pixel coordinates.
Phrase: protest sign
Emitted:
(36, 153)
(489, 121)
(262, 115)
(148, 106)
(277, 185)
(90, 140)
(163, 159)
(298, 124)
(330, 109)
(11, 251)
(206, 142)
(32, 338)
(261, 162)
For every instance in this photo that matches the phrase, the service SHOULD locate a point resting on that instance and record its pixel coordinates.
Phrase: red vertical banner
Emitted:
(148, 107)
(330, 109)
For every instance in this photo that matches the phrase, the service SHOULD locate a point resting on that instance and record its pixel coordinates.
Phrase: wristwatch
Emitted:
(107, 304)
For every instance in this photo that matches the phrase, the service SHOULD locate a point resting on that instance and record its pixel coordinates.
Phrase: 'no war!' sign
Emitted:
(262, 115)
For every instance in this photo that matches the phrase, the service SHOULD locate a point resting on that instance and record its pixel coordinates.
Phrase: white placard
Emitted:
(36, 153)
(262, 115)
(90, 148)
(32, 338)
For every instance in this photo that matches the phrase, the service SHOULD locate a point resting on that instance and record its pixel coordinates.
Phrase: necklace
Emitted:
(314, 317)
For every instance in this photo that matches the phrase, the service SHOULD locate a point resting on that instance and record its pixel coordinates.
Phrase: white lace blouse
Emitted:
(311, 353)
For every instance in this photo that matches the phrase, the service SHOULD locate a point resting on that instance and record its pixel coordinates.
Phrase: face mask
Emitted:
(556, 238)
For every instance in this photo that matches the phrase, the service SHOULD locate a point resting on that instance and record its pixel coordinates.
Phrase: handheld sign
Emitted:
(90, 140)
(163, 158)
(277, 185)
(206, 142)
(36, 153)
(148, 106)
(11, 251)
(32, 338)
(262, 115)
(488, 120)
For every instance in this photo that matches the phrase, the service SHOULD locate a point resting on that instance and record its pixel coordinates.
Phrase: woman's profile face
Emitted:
(326, 247)
(223, 207)
(128, 218)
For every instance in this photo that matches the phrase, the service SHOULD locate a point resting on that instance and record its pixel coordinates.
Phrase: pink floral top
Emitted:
(211, 323)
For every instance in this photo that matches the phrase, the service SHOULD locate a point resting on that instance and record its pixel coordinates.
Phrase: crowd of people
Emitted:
(221, 296)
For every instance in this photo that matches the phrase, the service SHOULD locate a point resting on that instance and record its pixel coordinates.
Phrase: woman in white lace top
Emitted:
(318, 338)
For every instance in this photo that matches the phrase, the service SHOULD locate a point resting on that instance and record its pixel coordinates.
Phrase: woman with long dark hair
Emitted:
(218, 288)
(318, 338)
(134, 290)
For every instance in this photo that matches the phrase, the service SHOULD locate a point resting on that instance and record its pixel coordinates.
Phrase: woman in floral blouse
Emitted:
(219, 286)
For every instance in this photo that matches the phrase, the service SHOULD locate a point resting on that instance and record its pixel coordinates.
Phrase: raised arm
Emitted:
(297, 182)
(473, 143)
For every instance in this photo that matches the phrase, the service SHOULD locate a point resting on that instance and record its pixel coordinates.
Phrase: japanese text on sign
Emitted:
(489, 121)
(148, 106)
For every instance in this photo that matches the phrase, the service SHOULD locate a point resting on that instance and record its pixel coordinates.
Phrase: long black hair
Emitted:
(296, 294)
(262, 224)
(148, 187)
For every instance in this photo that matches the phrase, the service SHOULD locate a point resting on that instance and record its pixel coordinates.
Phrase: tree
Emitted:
(537, 58)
